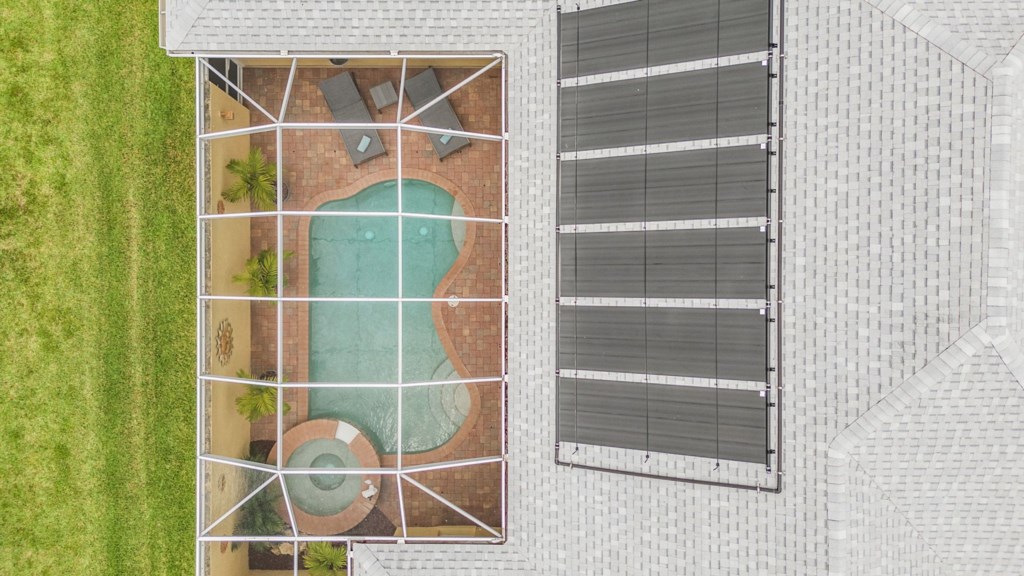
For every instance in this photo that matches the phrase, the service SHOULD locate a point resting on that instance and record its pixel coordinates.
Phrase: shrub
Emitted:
(325, 559)
(260, 274)
(259, 517)
(257, 181)
(258, 401)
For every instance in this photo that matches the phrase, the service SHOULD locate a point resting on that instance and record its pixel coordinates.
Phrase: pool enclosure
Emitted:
(351, 304)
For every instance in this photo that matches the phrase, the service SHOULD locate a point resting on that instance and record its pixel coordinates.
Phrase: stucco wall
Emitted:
(228, 249)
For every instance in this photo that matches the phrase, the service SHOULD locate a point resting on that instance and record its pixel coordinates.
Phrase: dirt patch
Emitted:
(375, 524)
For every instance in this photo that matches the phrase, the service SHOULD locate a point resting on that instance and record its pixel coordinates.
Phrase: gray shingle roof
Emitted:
(929, 475)
(904, 258)
(354, 25)
(181, 16)
(991, 25)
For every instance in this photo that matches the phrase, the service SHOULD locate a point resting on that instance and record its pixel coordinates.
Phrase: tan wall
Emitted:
(229, 238)
(228, 562)
(229, 249)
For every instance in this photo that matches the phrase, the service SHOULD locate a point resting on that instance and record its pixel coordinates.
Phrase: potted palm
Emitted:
(257, 181)
(259, 517)
(260, 274)
(325, 559)
(258, 401)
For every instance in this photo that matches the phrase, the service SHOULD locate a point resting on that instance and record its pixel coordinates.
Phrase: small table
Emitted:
(383, 95)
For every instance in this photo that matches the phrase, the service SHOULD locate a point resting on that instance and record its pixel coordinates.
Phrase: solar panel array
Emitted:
(664, 243)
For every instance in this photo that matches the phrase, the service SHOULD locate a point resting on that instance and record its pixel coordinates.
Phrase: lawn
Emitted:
(97, 288)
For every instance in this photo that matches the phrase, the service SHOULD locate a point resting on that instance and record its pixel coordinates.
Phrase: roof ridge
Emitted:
(855, 463)
(933, 32)
(181, 13)
(840, 451)
(372, 565)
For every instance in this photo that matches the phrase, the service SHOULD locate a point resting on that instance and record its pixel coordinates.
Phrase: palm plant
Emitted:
(259, 517)
(324, 559)
(258, 401)
(261, 273)
(253, 456)
(257, 180)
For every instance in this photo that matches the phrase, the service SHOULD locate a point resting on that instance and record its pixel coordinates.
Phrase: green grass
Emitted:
(96, 292)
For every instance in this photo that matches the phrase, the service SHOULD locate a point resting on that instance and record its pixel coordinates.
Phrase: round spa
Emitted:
(328, 504)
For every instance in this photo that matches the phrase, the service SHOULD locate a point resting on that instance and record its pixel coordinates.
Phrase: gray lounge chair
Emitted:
(422, 88)
(348, 106)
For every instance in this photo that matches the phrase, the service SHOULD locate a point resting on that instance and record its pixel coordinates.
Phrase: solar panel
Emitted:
(606, 40)
(689, 420)
(692, 184)
(606, 115)
(744, 26)
(715, 103)
(689, 342)
(703, 263)
(683, 31)
(665, 230)
(616, 38)
(742, 100)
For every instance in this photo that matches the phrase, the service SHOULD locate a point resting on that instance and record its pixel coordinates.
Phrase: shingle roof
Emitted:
(991, 25)
(929, 475)
(181, 16)
(354, 25)
(904, 257)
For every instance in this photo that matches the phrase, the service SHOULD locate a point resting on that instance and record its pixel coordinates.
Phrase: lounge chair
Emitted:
(422, 89)
(347, 106)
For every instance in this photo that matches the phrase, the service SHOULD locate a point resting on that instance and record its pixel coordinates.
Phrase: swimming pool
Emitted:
(357, 341)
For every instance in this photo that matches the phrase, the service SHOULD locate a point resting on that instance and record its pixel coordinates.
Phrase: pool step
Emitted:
(435, 398)
(444, 371)
(448, 403)
(455, 399)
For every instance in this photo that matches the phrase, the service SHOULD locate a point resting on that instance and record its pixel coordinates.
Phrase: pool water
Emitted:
(323, 494)
(327, 481)
(357, 342)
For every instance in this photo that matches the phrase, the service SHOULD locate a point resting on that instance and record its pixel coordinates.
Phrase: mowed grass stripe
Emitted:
(96, 256)
(49, 409)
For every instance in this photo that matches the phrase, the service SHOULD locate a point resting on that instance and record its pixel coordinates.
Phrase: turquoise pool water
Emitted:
(357, 342)
(323, 494)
